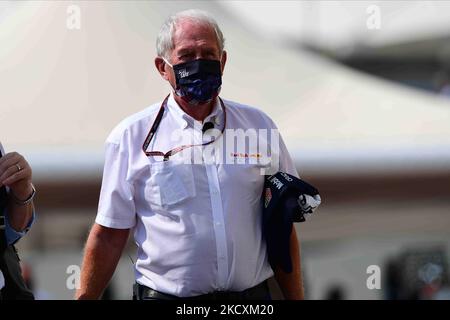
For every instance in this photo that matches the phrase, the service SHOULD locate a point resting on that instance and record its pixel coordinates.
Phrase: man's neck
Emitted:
(198, 112)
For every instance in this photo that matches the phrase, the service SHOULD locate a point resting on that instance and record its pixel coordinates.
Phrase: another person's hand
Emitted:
(16, 173)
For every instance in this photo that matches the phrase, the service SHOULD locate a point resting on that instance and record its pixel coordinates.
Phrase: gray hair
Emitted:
(164, 41)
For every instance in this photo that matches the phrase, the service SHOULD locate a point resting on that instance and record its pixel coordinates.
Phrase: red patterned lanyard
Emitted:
(171, 152)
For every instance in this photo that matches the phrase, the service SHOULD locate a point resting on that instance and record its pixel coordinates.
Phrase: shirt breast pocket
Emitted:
(170, 183)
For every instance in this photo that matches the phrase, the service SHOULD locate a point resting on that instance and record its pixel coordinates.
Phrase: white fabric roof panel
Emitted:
(64, 90)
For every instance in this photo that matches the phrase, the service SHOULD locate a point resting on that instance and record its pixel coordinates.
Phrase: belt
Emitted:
(258, 292)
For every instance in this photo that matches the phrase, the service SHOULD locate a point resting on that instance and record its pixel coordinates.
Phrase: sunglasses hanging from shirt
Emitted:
(171, 152)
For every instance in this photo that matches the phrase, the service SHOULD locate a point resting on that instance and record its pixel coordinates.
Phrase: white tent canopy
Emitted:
(345, 25)
(64, 90)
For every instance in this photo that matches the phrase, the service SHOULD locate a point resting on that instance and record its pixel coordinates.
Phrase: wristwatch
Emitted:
(26, 201)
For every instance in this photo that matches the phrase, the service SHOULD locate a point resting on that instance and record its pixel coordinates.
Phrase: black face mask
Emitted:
(198, 81)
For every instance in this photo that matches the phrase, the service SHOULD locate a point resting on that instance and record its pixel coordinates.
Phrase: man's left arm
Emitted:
(291, 284)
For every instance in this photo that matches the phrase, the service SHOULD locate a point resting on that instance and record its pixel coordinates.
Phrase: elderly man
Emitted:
(196, 219)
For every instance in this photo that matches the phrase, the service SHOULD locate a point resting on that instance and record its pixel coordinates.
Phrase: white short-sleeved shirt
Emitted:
(197, 216)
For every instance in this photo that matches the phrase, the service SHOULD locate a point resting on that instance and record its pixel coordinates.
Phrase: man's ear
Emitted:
(160, 65)
(223, 60)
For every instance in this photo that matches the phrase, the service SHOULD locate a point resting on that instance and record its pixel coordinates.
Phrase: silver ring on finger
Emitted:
(19, 168)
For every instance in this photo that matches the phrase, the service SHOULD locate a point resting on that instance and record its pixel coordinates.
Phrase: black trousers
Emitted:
(15, 287)
(258, 292)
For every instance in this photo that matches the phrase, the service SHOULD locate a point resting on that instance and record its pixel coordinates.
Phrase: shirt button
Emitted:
(218, 224)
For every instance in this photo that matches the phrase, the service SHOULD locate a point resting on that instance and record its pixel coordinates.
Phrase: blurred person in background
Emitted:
(197, 227)
(443, 83)
(16, 217)
(30, 281)
(335, 292)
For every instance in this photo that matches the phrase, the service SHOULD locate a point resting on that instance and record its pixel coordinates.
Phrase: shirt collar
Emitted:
(185, 120)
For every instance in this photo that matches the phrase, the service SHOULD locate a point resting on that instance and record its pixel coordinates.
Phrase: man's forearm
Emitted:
(102, 253)
(291, 284)
(19, 216)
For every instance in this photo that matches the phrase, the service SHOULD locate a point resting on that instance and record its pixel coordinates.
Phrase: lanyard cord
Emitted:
(171, 152)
